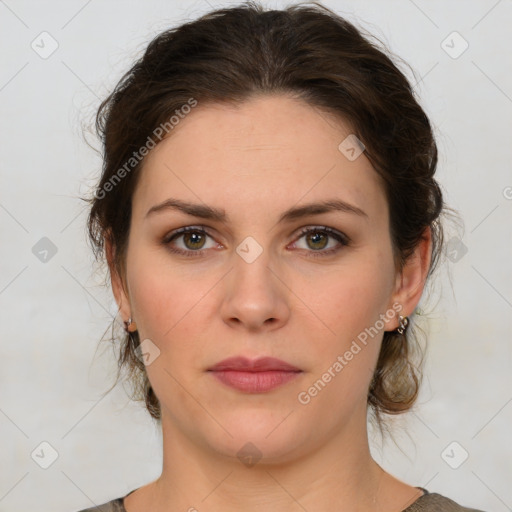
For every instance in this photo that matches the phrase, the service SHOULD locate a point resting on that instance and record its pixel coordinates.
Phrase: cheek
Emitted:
(357, 294)
(159, 294)
(167, 308)
(351, 303)
(170, 307)
(154, 302)
(345, 357)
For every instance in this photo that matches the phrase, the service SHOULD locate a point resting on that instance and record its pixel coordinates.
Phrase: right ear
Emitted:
(118, 286)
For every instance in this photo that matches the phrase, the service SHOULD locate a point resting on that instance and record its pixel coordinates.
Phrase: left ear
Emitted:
(411, 280)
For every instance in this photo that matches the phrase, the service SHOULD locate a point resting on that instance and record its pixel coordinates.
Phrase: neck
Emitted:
(340, 472)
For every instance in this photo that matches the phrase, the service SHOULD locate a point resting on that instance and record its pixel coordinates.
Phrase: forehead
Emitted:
(263, 156)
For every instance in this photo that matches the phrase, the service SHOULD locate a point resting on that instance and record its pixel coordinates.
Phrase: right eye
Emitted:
(192, 239)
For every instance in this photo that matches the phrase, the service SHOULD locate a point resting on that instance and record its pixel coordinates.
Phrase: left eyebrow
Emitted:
(322, 207)
(218, 214)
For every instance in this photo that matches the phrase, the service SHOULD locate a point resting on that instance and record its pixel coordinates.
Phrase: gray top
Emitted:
(429, 502)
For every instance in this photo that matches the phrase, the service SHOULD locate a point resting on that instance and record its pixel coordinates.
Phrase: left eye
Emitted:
(193, 239)
(317, 238)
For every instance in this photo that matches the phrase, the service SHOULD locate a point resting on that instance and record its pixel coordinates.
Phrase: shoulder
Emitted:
(112, 506)
(434, 502)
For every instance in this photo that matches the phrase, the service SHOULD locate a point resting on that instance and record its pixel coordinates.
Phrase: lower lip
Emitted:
(254, 382)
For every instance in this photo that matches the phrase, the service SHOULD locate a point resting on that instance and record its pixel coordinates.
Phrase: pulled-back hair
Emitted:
(309, 52)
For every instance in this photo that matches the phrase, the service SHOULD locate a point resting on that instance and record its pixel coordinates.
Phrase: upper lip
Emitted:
(261, 364)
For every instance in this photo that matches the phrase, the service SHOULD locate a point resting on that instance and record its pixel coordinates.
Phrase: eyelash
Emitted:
(340, 237)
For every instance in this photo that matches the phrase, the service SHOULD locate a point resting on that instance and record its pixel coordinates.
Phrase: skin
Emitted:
(255, 161)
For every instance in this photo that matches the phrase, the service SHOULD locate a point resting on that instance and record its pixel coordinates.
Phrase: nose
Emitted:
(255, 297)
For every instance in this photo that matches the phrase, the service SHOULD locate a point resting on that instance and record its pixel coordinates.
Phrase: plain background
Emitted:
(54, 312)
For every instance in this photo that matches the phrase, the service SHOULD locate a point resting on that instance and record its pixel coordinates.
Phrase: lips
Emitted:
(263, 364)
(254, 376)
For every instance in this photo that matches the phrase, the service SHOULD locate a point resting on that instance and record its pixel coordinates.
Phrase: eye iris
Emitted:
(197, 238)
(315, 236)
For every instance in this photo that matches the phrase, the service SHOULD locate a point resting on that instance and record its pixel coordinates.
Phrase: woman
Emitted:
(270, 217)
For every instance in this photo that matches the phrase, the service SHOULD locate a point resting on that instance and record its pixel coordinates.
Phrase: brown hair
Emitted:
(232, 54)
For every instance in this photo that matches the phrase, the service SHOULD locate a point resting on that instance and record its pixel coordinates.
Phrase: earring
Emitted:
(403, 323)
(130, 326)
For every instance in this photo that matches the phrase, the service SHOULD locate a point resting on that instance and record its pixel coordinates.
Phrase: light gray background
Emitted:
(54, 313)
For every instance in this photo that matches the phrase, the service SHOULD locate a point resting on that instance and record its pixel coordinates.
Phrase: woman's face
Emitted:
(252, 284)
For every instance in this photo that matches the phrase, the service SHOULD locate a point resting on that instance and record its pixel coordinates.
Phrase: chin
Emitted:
(260, 439)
